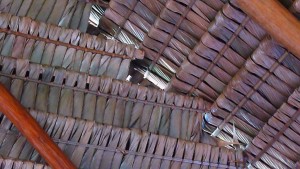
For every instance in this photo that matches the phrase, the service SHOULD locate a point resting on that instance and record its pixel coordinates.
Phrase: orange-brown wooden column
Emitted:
(276, 20)
(38, 138)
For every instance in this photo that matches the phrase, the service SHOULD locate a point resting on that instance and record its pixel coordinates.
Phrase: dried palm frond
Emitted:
(256, 92)
(8, 42)
(72, 14)
(277, 144)
(72, 49)
(5, 5)
(7, 163)
(166, 32)
(146, 12)
(219, 55)
(295, 8)
(3, 23)
(91, 145)
(102, 99)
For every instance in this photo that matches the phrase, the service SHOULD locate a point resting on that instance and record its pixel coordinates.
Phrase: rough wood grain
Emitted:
(276, 20)
(32, 131)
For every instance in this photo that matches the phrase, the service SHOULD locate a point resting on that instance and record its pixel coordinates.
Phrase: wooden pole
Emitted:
(276, 20)
(38, 138)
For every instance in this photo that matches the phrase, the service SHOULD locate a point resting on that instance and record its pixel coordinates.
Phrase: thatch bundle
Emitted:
(72, 14)
(167, 30)
(91, 145)
(72, 49)
(7, 163)
(277, 144)
(295, 8)
(221, 52)
(103, 99)
(269, 76)
(73, 85)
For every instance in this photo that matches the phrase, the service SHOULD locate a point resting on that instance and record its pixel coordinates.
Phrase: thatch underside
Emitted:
(75, 50)
(167, 31)
(220, 54)
(231, 93)
(91, 145)
(277, 143)
(257, 91)
(12, 163)
(72, 14)
(230, 62)
(103, 99)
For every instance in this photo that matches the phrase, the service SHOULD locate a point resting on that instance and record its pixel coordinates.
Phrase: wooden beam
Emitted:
(276, 20)
(38, 138)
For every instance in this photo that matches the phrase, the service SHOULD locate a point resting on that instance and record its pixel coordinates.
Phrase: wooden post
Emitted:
(38, 138)
(276, 20)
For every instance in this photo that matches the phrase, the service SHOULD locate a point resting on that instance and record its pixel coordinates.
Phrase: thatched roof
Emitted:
(66, 48)
(167, 31)
(230, 95)
(276, 144)
(72, 14)
(103, 99)
(92, 145)
(230, 61)
(11, 163)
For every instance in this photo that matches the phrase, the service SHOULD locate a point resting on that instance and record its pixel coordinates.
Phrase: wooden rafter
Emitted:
(27, 125)
(276, 20)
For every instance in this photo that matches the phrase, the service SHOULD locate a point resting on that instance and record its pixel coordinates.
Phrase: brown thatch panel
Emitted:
(76, 51)
(72, 14)
(295, 8)
(221, 52)
(8, 163)
(103, 99)
(256, 92)
(168, 30)
(277, 144)
(90, 145)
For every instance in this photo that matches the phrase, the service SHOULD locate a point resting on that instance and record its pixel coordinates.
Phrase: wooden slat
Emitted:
(39, 139)
(276, 20)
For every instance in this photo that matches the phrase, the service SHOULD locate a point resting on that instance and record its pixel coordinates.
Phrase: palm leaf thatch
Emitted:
(103, 99)
(295, 8)
(269, 76)
(70, 49)
(91, 145)
(277, 143)
(221, 52)
(166, 30)
(72, 14)
(9, 163)
(245, 86)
